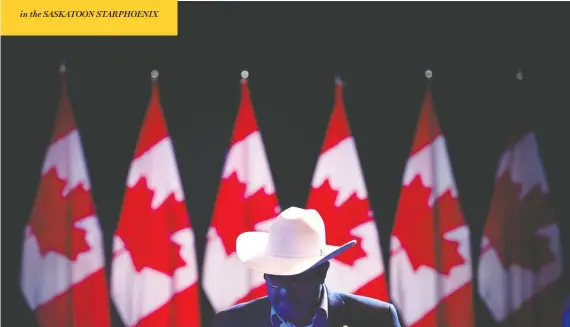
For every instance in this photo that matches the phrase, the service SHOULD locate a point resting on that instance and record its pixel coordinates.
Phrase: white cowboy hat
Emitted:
(296, 242)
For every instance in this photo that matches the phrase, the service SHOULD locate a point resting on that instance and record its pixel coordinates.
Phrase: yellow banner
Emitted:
(89, 17)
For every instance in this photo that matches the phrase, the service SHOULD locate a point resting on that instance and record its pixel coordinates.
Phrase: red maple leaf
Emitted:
(415, 227)
(54, 216)
(513, 223)
(339, 221)
(147, 232)
(234, 214)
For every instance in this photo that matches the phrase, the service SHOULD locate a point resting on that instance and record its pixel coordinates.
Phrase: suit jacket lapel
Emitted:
(336, 310)
(336, 315)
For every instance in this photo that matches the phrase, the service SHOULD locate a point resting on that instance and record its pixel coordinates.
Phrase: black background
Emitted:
(292, 51)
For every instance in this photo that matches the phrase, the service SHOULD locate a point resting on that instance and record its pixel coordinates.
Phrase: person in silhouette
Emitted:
(294, 258)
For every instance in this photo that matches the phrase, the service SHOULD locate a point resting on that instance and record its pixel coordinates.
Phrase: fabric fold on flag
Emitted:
(63, 266)
(430, 257)
(246, 201)
(154, 275)
(339, 194)
(520, 266)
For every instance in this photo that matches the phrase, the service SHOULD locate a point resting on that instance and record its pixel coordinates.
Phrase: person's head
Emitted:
(294, 258)
(296, 296)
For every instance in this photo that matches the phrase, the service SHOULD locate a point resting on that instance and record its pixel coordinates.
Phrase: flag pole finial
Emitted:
(154, 74)
(337, 79)
(519, 74)
(62, 67)
(429, 74)
(244, 74)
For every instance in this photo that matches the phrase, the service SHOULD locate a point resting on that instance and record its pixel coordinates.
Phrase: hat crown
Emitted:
(297, 233)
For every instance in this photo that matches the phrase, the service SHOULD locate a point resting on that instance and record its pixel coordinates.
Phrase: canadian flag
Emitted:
(338, 193)
(246, 201)
(430, 258)
(63, 276)
(154, 272)
(520, 267)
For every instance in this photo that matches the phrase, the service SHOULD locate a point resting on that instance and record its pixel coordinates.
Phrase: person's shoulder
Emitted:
(365, 302)
(241, 312)
(367, 308)
(253, 305)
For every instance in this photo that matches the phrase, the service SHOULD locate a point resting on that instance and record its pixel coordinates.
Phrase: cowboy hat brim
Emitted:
(250, 248)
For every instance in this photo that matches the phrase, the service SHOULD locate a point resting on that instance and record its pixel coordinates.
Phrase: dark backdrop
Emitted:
(292, 52)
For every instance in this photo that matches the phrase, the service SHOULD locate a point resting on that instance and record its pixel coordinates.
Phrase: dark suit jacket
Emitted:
(344, 309)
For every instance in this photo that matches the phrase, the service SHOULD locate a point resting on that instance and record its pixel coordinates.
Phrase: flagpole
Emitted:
(538, 311)
(337, 82)
(68, 212)
(511, 137)
(436, 223)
